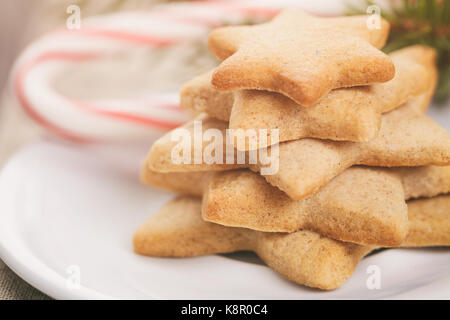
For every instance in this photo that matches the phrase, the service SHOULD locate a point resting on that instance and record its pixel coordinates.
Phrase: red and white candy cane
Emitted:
(164, 26)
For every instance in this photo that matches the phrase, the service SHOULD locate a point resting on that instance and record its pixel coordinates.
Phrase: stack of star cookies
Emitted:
(308, 148)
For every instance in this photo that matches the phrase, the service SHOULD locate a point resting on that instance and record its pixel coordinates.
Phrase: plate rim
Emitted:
(48, 281)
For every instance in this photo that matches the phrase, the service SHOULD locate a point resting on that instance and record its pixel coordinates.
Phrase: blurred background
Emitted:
(22, 21)
(164, 70)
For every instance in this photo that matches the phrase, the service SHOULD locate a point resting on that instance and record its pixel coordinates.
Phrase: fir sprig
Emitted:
(424, 22)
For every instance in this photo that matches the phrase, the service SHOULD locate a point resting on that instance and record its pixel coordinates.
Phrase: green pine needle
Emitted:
(424, 22)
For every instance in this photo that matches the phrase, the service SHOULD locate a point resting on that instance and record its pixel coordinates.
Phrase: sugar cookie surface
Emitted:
(349, 114)
(301, 56)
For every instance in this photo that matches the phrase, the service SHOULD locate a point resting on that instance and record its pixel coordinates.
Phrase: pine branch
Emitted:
(424, 22)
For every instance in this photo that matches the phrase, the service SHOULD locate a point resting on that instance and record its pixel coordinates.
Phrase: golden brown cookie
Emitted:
(425, 181)
(304, 257)
(189, 183)
(429, 223)
(350, 114)
(362, 205)
(301, 56)
(407, 138)
(161, 155)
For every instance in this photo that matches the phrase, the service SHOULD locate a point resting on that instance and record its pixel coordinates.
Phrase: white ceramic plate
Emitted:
(68, 213)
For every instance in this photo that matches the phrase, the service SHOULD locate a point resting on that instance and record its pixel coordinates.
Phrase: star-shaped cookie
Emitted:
(304, 257)
(362, 205)
(348, 114)
(407, 137)
(301, 56)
